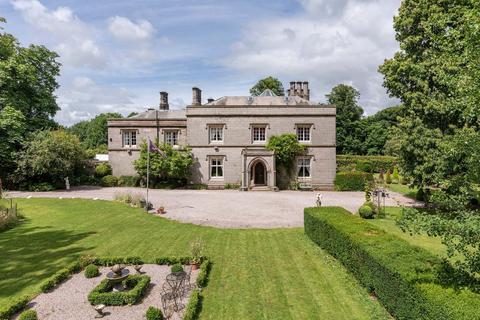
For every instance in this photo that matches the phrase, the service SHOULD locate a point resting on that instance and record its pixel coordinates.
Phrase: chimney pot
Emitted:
(306, 91)
(196, 97)
(163, 101)
(210, 100)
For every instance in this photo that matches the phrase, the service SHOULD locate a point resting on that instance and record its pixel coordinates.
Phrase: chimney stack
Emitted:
(306, 91)
(164, 100)
(196, 97)
(300, 89)
(210, 100)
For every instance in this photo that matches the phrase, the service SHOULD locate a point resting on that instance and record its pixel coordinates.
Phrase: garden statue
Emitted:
(67, 183)
(99, 308)
(319, 199)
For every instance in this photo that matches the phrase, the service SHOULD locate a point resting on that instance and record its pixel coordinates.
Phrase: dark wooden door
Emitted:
(259, 172)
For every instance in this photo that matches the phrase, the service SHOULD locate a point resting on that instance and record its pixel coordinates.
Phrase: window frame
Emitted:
(264, 128)
(220, 164)
(130, 135)
(217, 128)
(303, 168)
(304, 127)
(169, 132)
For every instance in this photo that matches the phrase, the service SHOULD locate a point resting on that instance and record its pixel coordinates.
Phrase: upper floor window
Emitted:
(171, 137)
(216, 134)
(216, 168)
(303, 167)
(258, 134)
(129, 138)
(303, 133)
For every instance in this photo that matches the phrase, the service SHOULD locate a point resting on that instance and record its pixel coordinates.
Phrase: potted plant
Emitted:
(196, 248)
(161, 210)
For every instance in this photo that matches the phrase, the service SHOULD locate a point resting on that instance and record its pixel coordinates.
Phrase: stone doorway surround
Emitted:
(250, 158)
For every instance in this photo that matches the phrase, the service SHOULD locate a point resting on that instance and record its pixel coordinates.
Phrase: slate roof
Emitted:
(161, 114)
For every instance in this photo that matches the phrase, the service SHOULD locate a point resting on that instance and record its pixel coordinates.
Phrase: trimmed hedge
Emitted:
(28, 315)
(91, 271)
(60, 276)
(351, 181)
(154, 314)
(193, 306)
(19, 304)
(405, 278)
(102, 293)
(202, 278)
(372, 164)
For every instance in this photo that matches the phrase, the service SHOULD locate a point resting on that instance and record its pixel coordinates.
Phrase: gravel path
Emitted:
(69, 300)
(230, 208)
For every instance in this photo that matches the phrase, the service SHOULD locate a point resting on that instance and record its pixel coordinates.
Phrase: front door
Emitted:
(259, 174)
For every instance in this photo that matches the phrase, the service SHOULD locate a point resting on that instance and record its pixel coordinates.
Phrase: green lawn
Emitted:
(388, 224)
(403, 189)
(257, 274)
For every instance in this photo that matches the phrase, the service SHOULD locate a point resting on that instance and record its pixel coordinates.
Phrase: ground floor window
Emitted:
(216, 168)
(303, 167)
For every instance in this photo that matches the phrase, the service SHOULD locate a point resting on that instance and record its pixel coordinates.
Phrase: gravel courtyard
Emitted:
(230, 208)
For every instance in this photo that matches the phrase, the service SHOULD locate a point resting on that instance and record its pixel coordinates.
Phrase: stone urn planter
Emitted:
(161, 210)
(195, 265)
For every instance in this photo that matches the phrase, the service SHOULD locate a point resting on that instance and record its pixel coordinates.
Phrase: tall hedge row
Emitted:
(403, 277)
(372, 164)
(351, 181)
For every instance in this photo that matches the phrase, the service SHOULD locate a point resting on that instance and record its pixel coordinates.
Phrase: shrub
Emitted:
(232, 186)
(6, 312)
(402, 276)
(129, 181)
(102, 170)
(395, 176)
(420, 196)
(374, 164)
(59, 277)
(109, 181)
(28, 315)
(154, 314)
(352, 181)
(366, 212)
(91, 271)
(388, 178)
(40, 187)
(177, 267)
(202, 278)
(103, 294)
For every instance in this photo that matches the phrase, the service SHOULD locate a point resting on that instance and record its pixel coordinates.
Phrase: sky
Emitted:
(117, 55)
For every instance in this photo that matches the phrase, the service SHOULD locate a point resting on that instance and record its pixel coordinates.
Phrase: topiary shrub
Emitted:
(177, 267)
(154, 314)
(395, 176)
(364, 166)
(109, 181)
(91, 271)
(102, 170)
(420, 196)
(28, 315)
(352, 181)
(366, 212)
(388, 178)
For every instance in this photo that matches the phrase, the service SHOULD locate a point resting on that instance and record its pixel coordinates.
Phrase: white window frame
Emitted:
(129, 138)
(219, 163)
(171, 137)
(301, 165)
(301, 129)
(214, 131)
(256, 133)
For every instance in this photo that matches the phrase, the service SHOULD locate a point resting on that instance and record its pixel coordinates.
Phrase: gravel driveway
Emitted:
(229, 208)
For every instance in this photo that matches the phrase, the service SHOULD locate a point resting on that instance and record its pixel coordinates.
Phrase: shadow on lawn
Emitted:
(32, 254)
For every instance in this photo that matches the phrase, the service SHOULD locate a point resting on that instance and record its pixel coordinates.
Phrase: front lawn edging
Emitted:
(9, 310)
(402, 276)
(102, 293)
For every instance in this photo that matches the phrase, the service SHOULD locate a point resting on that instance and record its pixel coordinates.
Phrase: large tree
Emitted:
(93, 133)
(268, 83)
(12, 130)
(436, 75)
(28, 81)
(345, 98)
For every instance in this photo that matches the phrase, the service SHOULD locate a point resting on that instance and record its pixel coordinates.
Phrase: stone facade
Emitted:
(228, 138)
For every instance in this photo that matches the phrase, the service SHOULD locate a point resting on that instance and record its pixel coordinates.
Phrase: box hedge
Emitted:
(103, 294)
(28, 315)
(351, 181)
(372, 164)
(405, 278)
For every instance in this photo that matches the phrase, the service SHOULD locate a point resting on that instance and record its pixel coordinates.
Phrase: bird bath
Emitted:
(117, 275)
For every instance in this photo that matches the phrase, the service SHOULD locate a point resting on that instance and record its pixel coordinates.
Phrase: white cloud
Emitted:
(82, 99)
(332, 42)
(74, 40)
(124, 29)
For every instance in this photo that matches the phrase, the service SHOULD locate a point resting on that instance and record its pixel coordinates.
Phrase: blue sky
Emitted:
(118, 55)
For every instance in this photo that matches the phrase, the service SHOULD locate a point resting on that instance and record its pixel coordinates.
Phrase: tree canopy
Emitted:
(268, 83)
(93, 133)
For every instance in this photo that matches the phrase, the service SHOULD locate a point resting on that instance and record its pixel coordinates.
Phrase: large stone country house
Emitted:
(228, 137)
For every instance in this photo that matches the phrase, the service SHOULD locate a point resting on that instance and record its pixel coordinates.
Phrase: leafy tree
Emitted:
(268, 83)
(93, 133)
(12, 130)
(173, 166)
(345, 98)
(435, 74)
(49, 156)
(28, 81)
